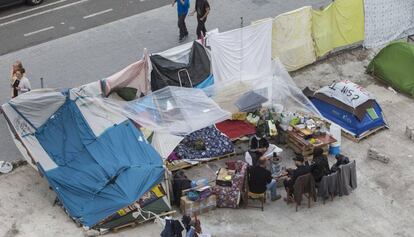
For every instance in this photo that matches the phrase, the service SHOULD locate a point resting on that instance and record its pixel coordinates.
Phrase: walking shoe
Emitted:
(276, 198)
(183, 38)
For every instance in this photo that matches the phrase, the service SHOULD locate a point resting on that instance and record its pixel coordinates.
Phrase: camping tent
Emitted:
(394, 65)
(94, 158)
(180, 67)
(350, 106)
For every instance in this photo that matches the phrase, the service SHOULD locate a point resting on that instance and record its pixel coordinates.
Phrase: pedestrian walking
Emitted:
(182, 10)
(23, 83)
(14, 82)
(202, 7)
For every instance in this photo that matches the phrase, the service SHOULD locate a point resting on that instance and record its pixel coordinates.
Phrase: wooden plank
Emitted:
(135, 223)
(201, 162)
(364, 135)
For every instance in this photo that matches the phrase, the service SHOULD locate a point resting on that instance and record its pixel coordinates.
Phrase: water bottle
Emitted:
(199, 183)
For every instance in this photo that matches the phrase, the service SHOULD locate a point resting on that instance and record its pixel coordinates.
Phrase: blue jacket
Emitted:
(182, 9)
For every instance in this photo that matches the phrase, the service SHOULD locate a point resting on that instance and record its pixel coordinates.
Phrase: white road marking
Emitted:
(38, 31)
(41, 13)
(32, 9)
(98, 13)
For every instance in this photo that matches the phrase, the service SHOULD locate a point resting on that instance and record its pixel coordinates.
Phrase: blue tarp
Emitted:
(347, 120)
(97, 176)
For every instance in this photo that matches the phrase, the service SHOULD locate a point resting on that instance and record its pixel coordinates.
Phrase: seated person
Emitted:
(320, 165)
(260, 179)
(252, 157)
(258, 141)
(293, 174)
(257, 147)
(340, 160)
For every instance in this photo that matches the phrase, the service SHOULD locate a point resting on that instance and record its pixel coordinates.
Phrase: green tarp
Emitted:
(394, 65)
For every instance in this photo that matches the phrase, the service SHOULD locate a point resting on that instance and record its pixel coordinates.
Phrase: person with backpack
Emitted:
(320, 165)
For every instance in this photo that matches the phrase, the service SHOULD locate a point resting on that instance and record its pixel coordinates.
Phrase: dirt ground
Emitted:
(382, 205)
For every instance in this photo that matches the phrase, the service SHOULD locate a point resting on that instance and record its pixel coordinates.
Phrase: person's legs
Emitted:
(204, 30)
(181, 25)
(273, 191)
(289, 190)
(185, 31)
(199, 28)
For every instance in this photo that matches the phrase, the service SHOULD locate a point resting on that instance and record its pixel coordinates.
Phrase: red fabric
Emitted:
(235, 128)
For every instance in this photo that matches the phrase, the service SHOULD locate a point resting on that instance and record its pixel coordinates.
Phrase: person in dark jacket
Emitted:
(258, 141)
(260, 179)
(320, 165)
(202, 7)
(258, 145)
(293, 174)
(340, 160)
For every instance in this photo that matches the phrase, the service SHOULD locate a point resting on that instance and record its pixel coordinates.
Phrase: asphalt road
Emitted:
(95, 53)
(24, 26)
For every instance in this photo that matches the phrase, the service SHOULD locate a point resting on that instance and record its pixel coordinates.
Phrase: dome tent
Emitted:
(394, 65)
(350, 106)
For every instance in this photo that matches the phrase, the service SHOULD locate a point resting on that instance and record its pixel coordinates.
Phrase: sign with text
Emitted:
(347, 92)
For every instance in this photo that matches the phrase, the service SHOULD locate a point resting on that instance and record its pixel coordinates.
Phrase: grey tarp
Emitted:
(165, 71)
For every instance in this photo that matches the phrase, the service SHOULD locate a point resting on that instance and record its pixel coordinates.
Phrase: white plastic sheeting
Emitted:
(242, 54)
(280, 90)
(165, 143)
(286, 95)
(387, 20)
(176, 110)
(347, 92)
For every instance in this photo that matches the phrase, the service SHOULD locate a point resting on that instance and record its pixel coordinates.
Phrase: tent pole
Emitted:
(241, 51)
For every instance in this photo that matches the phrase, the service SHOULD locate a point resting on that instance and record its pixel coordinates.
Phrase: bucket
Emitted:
(334, 150)
(335, 131)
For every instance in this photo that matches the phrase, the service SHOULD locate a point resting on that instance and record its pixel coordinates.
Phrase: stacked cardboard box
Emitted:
(198, 207)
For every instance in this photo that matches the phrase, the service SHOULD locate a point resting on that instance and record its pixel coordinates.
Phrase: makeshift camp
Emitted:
(183, 73)
(95, 159)
(394, 65)
(350, 106)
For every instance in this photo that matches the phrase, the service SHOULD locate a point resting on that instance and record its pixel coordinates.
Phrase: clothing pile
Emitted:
(175, 228)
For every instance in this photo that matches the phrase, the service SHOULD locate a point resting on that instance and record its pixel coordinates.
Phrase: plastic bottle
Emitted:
(199, 183)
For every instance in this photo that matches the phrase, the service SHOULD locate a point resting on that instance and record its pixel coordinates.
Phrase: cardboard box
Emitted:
(199, 207)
